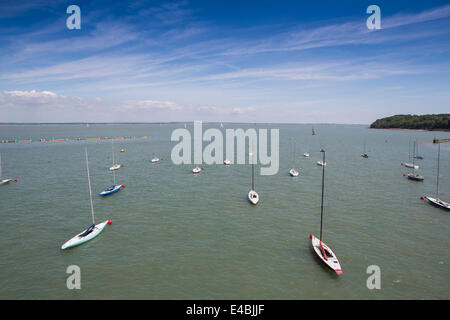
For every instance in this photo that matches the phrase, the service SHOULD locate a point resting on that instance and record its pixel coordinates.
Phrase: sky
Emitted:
(225, 61)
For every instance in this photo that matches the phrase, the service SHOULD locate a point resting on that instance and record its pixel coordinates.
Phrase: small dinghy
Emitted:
(321, 163)
(364, 155)
(325, 254)
(155, 159)
(227, 162)
(95, 229)
(293, 173)
(196, 170)
(306, 154)
(111, 190)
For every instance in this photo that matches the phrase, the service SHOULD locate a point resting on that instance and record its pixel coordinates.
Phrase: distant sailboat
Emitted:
(95, 229)
(313, 132)
(293, 172)
(414, 175)
(416, 151)
(196, 170)
(322, 251)
(253, 196)
(114, 188)
(409, 164)
(364, 154)
(115, 165)
(4, 181)
(435, 201)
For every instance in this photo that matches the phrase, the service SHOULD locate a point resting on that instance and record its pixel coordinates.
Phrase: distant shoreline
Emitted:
(441, 130)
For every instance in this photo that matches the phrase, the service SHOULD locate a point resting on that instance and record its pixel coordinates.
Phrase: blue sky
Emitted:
(250, 61)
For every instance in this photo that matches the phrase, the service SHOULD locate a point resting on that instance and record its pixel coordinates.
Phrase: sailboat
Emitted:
(436, 201)
(227, 162)
(409, 164)
(416, 151)
(313, 132)
(155, 159)
(196, 170)
(293, 172)
(95, 229)
(322, 251)
(414, 175)
(115, 165)
(253, 196)
(364, 154)
(114, 188)
(4, 181)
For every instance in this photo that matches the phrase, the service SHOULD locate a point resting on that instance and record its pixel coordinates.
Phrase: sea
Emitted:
(179, 235)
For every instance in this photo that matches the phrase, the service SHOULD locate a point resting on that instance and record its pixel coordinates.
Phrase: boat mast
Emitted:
(89, 183)
(323, 183)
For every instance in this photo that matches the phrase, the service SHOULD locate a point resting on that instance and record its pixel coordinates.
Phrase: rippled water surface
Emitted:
(176, 235)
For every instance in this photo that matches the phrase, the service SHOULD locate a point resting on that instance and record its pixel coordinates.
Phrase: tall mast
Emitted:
(112, 150)
(437, 179)
(323, 184)
(0, 165)
(89, 182)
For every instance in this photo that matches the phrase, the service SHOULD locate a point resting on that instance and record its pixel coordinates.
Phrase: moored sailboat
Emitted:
(253, 196)
(95, 229)
(435, 201)
(322, 251)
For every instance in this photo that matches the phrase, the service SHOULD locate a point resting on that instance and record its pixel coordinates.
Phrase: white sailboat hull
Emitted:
(293, 173)
(410, 165)
(4, 181)
(77, 240)
(330, 259)
(196, 170)
(253, 197)
(114, 167)
(306, 154)
(321, 163)
(227, 162)
(155, 160)
(438, 202)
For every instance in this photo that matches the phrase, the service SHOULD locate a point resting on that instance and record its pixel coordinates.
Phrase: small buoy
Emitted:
(310, 236)
(404, 174)
(162, 158)
(121, 165)
(121, 150)
(15, 180)
(109, 222)
(123, 186)
(203, 168)
(421, 198)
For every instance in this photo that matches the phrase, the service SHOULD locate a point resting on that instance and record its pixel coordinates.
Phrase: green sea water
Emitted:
(176, 235)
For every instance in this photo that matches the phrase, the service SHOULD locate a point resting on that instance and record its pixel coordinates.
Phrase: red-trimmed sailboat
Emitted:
(322, 251)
